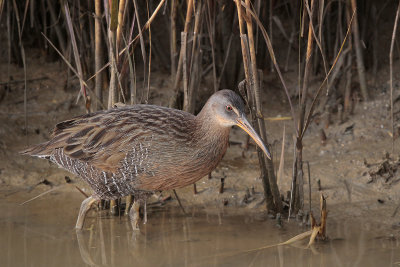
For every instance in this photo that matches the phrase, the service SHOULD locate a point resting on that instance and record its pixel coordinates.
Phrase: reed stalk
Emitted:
(188, 19)
(359, 53)
(98, 54)
(259, 113)
(391, 73)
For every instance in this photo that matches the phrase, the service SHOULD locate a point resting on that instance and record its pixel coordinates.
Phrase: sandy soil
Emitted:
(339, 164)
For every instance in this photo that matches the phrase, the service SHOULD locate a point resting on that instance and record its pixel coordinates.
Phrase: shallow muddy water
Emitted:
(42, 233)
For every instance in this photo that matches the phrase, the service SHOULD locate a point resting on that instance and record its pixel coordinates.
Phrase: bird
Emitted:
(141, 149)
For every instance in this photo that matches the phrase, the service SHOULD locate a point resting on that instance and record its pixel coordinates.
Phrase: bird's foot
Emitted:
(134, 215)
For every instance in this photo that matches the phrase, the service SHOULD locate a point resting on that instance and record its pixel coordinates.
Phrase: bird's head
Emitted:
(228, 110)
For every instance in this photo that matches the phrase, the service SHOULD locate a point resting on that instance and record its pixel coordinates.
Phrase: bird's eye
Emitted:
(228, 108)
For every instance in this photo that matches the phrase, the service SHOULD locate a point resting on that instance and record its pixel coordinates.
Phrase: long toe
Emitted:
(85, 206)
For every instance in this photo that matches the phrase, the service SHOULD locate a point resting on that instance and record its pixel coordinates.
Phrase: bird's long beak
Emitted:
(243, 123)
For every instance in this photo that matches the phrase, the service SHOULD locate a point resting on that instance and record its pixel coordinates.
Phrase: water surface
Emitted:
(42, 233)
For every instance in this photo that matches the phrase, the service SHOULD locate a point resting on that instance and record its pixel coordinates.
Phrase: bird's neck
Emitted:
(209, 131)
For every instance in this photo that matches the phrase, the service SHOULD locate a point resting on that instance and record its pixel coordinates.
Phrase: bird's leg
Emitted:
(134, 215)
(128, 204)
(194, 189)
(114, 207)
(85, 206)
(145, 212)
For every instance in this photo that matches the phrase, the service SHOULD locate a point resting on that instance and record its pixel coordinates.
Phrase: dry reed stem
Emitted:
(290, 241)
(2, 7)
(307, 68)
(41, 194)
(132, 77)
(71, 68)
(149, 70)
(391, 72)
(244, 51)
(211, 33)
(273, 58)
(316, 96)
(113, 15)
(259, 114)
(134, 39)
(347, 90)
(298, 200)
(8, 16)
(183, 61)
(228, 50)
(24, 18)
(76, 52)
(195, 61)
(309, 185)
(98, 54)
(142, 46)
(359, 53)
(318, 40)
(279, 175)
(22, 51)
(121, 17)
(347, 100)
(145, 27)
(270, 201)
(188, 19)
(271, 15)
(197, 22)
(278, 118)
(324, 215)
(112, 90)
(31, 14)
(173, 48)
(57, 28)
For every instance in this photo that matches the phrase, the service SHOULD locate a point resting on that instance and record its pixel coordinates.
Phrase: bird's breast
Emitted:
(179, 166)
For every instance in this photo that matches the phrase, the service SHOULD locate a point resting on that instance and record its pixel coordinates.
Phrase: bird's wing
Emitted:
(100, 139)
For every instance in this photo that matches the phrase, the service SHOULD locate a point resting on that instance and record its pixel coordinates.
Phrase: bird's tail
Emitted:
(39, 150)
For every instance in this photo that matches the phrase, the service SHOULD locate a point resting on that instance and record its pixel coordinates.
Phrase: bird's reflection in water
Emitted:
(111, 241)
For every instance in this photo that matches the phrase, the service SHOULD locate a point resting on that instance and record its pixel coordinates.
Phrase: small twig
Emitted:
(83, 193)
(221, 186)
(309, 183)
(42, 194)
(22, 81)
(179, 201)
(396, 210)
